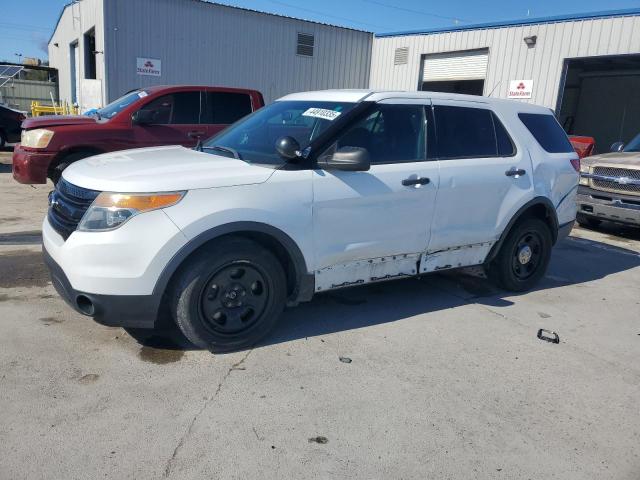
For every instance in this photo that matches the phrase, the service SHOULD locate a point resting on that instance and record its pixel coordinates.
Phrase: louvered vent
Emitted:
(401, 56)
(305, 44)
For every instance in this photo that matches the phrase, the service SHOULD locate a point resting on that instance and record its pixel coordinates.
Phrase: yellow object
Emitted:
(62, 109)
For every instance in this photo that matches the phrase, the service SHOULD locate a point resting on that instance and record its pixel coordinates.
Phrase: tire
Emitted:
(587, 222)
(229, 296)
(3, 140)
(523, 257)
(56, 173)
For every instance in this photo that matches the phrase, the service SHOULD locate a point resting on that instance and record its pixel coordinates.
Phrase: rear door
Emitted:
(176, 121)
(221, 109)
(484, 175)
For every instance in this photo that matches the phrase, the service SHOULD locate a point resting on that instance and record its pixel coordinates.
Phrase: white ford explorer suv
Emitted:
(317, 191)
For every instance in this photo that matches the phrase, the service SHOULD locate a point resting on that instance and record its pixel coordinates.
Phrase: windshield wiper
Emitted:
(220, 148)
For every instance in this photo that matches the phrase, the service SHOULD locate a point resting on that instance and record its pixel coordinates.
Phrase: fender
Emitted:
(552, 216)
(304, 281)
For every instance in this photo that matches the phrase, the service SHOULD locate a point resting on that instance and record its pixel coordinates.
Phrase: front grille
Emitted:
(67, 205)
(619, 180)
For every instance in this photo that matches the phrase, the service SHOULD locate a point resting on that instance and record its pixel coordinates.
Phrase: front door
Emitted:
(374, 225)
(484, 175)
(176, 121)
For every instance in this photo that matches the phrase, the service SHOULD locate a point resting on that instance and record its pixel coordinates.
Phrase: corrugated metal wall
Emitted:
(201, 43)
(19, 94)
(77, 19)
(509, 56)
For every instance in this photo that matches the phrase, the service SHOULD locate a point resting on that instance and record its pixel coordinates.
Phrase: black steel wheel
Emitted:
(229, 295)
(234, 298)
(523, 257)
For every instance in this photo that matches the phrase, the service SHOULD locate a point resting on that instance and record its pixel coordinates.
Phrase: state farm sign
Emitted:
(520, 89)
(148, 66)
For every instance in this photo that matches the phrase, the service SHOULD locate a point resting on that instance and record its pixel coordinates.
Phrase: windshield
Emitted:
(253, 138)
(633, 145)
(120, 104)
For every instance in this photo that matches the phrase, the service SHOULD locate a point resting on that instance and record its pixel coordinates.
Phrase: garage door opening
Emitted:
(601, 99)
(455, 72)
(467, 87)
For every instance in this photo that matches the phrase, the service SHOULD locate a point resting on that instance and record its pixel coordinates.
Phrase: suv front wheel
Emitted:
(523, 257)
(229, 295)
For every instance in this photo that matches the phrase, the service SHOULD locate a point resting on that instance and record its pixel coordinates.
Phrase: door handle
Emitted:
(407, 182)
(515, 172)
(195, 134)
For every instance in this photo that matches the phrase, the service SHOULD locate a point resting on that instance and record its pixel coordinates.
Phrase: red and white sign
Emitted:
(520, 89)
(148, 66)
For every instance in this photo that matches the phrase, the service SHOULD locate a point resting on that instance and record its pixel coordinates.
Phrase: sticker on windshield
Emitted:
(142, 94)
(321, 113)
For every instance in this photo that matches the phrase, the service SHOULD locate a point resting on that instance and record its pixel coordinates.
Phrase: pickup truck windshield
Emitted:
(633, 145)
(121, 103)
(253, 138)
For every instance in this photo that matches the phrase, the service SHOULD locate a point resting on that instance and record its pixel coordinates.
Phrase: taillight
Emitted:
(575, 163)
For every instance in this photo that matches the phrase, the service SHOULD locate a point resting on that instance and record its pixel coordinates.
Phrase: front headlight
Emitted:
(38, 138)
(111, 210)
(584, 169)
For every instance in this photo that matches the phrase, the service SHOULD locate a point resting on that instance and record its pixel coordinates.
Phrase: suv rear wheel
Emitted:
(230, 295)
(523, 257)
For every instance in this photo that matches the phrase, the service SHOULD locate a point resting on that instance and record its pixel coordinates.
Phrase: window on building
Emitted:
(390, 133)
(464, 132)
(90, 54)
(547, 131)
(225, 107)
(306, 44)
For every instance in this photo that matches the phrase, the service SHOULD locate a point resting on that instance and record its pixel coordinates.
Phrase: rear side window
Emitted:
(464, 132)
(503, 140)
(547, 131)
(225, 107)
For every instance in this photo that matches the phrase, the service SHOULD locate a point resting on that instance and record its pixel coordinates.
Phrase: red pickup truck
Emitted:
(147, 117)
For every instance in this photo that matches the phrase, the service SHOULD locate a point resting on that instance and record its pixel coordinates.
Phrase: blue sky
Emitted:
(25, 25)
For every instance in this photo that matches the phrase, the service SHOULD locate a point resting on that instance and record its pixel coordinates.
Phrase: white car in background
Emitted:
(317, 191)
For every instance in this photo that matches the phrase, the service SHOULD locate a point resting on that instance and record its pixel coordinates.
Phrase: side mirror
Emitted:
(617, 146)
(348, 159)
(288, 148)
(143, 117)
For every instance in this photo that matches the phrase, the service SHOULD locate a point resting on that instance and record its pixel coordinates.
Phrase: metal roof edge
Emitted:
(512, 23)
(57, 23)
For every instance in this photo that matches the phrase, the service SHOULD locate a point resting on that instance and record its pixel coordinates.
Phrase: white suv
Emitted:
(317, 191)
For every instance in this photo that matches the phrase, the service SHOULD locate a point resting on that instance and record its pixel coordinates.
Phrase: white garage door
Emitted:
(467, 65)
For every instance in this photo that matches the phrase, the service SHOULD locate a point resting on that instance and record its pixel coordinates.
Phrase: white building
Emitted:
(586, 68)
(104, 48)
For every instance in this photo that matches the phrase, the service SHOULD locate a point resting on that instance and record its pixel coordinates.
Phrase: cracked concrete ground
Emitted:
(447, 379)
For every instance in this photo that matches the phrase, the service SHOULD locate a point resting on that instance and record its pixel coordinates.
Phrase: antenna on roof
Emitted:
(494, 88)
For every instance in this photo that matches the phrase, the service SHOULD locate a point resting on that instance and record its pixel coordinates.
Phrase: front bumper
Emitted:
(608, 206)
(31, 166)
(135, 311)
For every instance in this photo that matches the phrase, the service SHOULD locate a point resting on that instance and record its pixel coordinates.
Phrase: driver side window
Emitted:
(390, 133)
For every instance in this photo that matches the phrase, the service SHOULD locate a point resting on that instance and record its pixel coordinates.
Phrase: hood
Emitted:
(55, 120)
(162, 169)
(614, 159)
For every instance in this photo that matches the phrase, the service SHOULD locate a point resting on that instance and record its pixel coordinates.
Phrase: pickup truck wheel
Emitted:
(230, 295)
(56, 172)
(524, 256)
